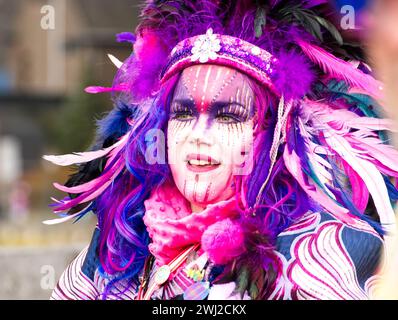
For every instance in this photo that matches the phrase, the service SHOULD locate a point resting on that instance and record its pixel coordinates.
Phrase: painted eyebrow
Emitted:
(214, 107)
(185, 102)
(220, 104)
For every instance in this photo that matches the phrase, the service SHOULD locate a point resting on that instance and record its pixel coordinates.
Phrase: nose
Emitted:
(200, 133)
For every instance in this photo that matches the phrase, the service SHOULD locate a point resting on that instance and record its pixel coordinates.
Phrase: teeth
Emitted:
(198, 162)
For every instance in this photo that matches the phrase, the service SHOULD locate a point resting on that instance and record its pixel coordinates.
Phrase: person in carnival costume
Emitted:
(245, 158)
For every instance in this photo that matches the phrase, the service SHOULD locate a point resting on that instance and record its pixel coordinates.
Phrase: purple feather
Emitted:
(126, 37)
(293, 75)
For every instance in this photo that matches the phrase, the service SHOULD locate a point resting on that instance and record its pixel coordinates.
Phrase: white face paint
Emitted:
(210, 132)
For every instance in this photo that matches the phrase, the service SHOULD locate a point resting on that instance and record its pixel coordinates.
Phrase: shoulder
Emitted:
(76, 282)
(91, 260)
(336, 259)
(354, 234)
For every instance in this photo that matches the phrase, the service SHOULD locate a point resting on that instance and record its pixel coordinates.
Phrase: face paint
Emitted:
(209, 130)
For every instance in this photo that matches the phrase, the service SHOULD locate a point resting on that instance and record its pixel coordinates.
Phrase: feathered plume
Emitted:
(293, 75)
(113, 134)
(66, 218)
(151, 54)
(118, 64)
(350, 139)
(83, 157)
(90, 190)
(341, 70)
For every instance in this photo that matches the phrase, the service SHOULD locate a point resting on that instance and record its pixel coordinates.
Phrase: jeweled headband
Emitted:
(221, 50)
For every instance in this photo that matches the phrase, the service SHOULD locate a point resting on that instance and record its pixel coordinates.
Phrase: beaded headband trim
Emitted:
(221, 50)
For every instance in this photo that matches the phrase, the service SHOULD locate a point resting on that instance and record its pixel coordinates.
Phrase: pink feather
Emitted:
(368, 173)
(362, 152)
(64, 219)
(292, 163)
(85, 187)
(83, 157)
(342, 119)
(100, 186)
(365, 141)
(375, 149)
(341, 69)
(99, 89)
(360, 194)
(371, 124)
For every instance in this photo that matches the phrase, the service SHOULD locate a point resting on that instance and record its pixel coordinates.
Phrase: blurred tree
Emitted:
(71, 128)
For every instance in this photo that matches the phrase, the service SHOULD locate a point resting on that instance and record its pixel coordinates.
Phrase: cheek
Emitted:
(177, 132)
(236, 141)
(232, 144)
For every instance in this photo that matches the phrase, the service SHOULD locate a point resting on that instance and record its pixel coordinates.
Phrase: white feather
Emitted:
(83, 157)
(64, 219)
(369, 174)
(115, 61)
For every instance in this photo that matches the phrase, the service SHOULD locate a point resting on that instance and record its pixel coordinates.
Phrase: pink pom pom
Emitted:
(223, 241)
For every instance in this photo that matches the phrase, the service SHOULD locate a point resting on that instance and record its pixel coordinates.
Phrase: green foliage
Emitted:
(72, 127)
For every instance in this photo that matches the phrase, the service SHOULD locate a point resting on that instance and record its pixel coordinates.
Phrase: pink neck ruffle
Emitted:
(173, 226)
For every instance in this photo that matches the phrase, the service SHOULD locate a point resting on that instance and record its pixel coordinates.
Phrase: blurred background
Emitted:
(49, 52)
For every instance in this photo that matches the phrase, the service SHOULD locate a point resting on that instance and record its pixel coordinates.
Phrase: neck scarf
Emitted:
(173, 226)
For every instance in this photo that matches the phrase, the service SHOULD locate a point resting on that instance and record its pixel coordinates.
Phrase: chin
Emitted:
(216, 194)
(202, 188)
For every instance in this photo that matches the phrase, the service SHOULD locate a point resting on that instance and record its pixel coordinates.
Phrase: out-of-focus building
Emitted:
(48, 56)
(47, 49)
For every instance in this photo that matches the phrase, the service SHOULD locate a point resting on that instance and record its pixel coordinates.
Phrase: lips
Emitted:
(201, 162)
(201, 159)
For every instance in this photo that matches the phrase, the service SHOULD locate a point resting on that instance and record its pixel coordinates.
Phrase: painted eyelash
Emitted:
(180, 108)
(231, 115)
(175, 115)
(234, 111)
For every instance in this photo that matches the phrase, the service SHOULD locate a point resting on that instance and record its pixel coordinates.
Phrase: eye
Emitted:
(228, 118)
(182, 115)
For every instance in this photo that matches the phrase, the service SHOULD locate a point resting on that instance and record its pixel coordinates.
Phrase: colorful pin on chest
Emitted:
(195, 273)
(162, 275)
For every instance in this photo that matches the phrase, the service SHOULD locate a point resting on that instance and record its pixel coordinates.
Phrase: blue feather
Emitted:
(392, 190)
(83, 213)
(115, 124)
(342, 193)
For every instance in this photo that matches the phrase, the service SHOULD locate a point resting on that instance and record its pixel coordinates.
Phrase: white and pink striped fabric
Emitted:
(321, 258)
(74, 284)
